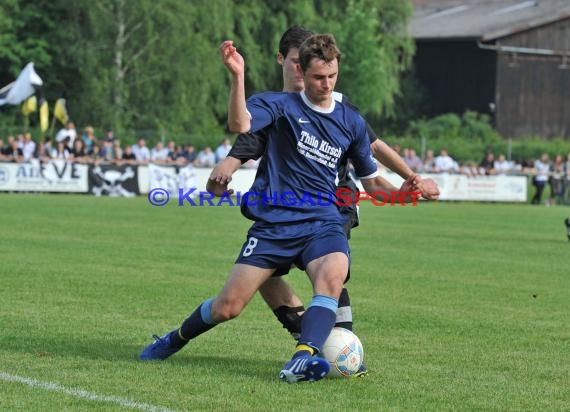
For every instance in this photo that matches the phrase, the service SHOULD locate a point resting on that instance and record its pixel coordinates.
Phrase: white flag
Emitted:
(24, 87)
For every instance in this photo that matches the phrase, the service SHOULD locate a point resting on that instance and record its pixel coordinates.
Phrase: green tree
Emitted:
(154, 64)
(376, 49)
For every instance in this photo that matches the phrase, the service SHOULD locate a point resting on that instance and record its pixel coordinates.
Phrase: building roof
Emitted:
(483, 20)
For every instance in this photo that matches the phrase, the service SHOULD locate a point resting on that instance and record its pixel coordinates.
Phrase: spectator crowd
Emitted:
(87, 148)
(555, 174)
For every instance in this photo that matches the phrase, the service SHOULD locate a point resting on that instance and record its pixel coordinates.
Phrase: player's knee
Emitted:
(329, 285)
(225, 313)
(226, 309)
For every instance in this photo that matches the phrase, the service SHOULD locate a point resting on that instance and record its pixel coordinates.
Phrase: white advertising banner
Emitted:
(171, 178)
(62, 176)
(53, 176)
(497, 188)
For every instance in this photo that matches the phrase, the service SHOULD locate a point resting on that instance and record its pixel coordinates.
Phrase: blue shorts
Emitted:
(279, 246)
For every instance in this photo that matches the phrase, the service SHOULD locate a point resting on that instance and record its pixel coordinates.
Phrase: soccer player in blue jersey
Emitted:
(279, 296)
(310, 135)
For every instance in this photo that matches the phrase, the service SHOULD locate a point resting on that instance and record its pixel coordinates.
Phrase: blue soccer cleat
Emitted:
(305, 368)
(160, 349)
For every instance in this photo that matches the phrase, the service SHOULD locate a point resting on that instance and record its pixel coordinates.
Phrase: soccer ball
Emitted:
(344, 352)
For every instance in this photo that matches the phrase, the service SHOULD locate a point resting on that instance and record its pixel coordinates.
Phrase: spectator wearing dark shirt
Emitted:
(13, 153)
(128, 157)
(487, 165)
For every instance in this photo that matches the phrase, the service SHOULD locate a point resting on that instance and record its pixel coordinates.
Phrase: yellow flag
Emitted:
(29, 106)
(60, 111)
(44, 115)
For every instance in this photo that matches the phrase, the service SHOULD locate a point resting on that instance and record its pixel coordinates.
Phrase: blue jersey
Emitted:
(297, 178)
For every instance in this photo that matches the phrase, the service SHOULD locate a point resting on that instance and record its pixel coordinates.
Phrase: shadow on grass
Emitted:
(230, 364)
(109, 349)
(96, 348)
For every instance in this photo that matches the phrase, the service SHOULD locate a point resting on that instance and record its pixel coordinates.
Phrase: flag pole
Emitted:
(26, 123)
(51, 128)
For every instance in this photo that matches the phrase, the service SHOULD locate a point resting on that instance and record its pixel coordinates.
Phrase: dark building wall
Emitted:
(456, 76)
(533, 91)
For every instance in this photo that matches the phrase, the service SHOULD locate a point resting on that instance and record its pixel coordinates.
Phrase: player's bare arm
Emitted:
(392, 160)
(407, 192)
(238, 116)
(389, 158)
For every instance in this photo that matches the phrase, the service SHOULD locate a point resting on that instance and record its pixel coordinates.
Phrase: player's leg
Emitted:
(327, 275)
(567, 223)
(325, 258)
(245, 280)
(284, 303)
(344, 312)
(344, 320)
(289, 309)
(241, 286)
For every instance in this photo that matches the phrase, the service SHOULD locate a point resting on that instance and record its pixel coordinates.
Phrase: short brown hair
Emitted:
(319, 46)
(293, 37)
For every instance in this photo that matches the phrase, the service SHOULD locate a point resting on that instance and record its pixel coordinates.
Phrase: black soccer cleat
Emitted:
(567, 223)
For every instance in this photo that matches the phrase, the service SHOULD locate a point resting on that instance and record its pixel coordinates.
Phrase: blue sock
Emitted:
(318, 322)
(198, 322)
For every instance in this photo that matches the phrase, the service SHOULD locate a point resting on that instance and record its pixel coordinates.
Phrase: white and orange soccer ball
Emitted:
(344, 352)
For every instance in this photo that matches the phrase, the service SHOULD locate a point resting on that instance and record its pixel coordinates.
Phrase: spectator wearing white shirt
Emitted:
(541, 170)
(223, 149)
(141, 152)
(29, 147)
(502, 165)
(206, 158)
(67, 132)
(445, 163)
(159, 154)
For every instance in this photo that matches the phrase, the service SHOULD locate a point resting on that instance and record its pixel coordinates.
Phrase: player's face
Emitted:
(320, 79)
(292, 77)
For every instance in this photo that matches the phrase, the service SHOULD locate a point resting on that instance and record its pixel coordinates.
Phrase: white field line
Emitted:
(80, 393)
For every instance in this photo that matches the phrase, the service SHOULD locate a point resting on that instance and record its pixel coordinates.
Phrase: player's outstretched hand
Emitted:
(231, 58)
(219, 186)
(220, 178)
(429, 189)
(410, 190)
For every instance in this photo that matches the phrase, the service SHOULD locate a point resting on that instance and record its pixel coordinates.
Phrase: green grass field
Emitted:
(459, 306)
